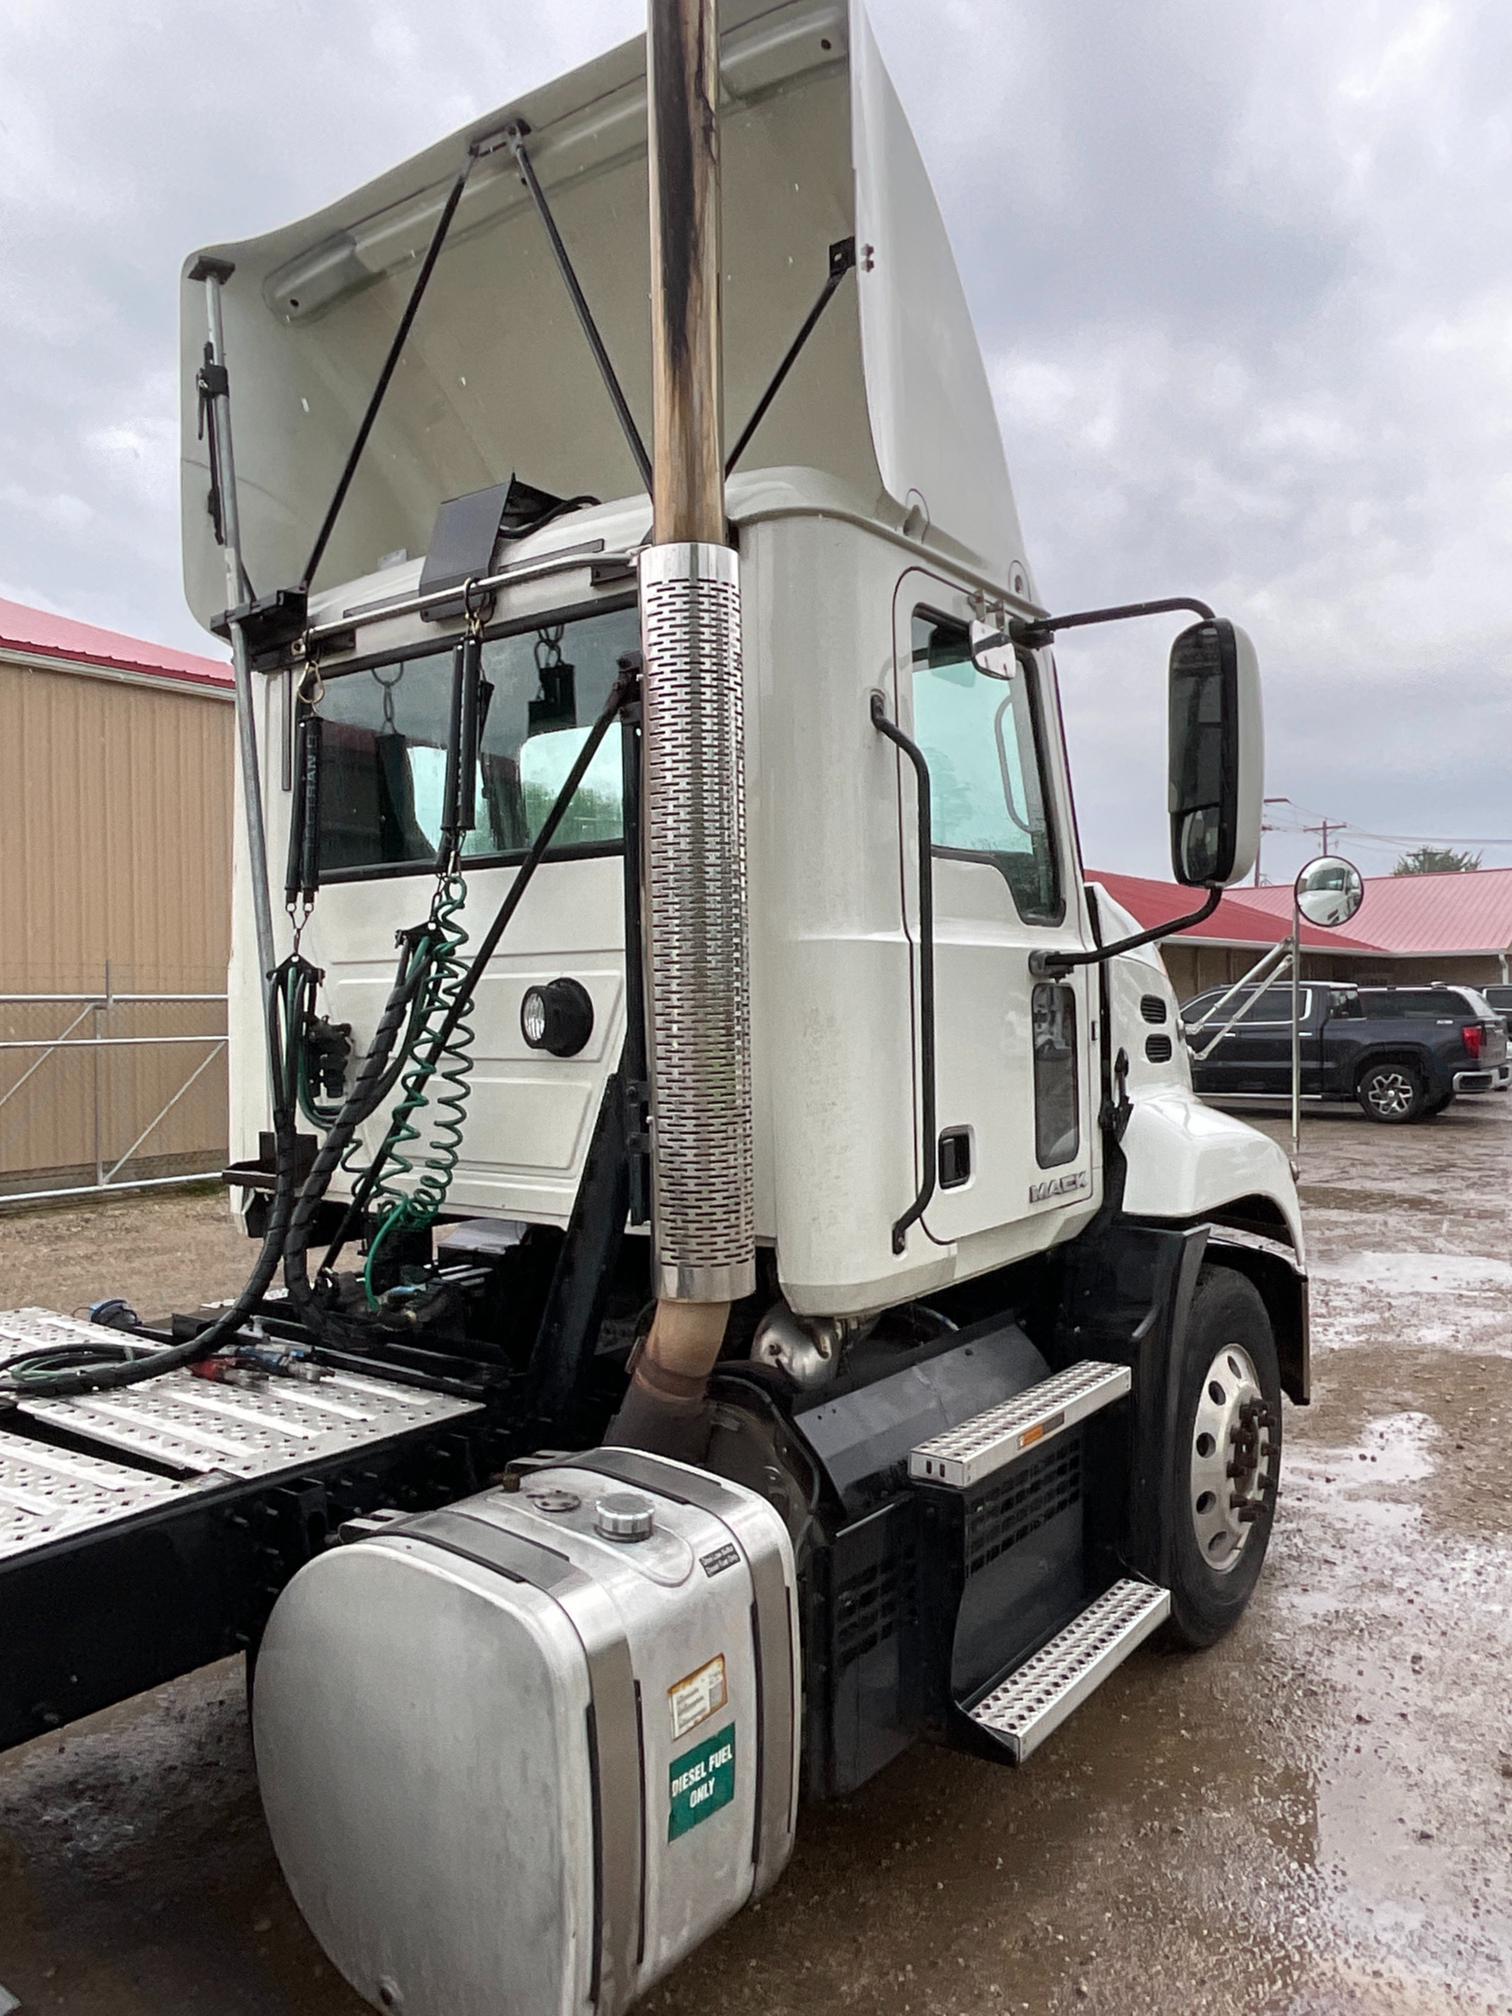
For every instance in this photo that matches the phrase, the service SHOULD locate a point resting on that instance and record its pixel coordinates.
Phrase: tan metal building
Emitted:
(115, 895)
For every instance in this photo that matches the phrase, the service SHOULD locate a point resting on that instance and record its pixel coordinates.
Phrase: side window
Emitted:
(982, 741)
(1052, 1010)
(1275, 1005)
(1193, 1011)
(1433, 1006)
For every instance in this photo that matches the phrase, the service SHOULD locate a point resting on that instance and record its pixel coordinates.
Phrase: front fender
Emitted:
(1186, 1160)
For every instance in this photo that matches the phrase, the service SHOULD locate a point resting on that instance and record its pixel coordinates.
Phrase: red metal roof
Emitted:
(44, 635)
(1401, 914)
(1238, 920)
(1423, 913)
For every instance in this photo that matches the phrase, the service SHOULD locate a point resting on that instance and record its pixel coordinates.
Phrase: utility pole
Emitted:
(1264, 829)
(1325, 827)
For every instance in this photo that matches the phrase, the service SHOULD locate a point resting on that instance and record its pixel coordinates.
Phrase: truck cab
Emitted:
(686, 1040)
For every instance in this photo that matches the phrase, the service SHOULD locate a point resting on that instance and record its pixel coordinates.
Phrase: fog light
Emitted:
(557, 1017)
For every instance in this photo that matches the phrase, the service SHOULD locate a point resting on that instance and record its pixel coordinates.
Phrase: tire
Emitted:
(1391, 1092)
(1214, 1555)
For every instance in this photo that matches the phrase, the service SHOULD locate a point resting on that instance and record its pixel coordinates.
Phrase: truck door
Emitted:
(1267, 1050)
(1015, 1067)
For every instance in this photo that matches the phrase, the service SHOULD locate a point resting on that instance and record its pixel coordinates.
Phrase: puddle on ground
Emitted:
(1482, 1329)
(1418, 1273)
(1394, 1449)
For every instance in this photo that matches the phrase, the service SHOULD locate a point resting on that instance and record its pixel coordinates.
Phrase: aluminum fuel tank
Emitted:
(522, 1755)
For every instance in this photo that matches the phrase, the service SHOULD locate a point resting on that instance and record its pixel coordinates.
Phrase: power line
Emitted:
(1323, 825)
(1433, 839)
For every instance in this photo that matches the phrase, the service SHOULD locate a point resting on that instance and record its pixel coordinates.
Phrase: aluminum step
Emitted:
(1020, 1712)
(962, 1457)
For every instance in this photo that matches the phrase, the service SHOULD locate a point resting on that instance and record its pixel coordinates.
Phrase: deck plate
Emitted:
(203, 1431)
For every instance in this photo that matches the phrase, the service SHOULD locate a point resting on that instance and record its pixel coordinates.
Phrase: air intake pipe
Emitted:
(694, 864)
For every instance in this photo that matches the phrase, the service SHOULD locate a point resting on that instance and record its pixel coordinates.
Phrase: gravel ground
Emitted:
(161, 1252)
(1315, 1818)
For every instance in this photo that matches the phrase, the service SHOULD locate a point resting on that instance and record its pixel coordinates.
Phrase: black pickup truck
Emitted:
(1401, 1052)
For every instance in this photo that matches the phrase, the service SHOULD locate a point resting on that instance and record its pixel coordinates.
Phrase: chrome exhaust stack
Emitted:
(696, 950)
(697, 980)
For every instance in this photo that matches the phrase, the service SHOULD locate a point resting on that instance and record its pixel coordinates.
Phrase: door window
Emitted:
(982, 740)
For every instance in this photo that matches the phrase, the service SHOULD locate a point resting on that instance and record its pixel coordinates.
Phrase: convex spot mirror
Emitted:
(1329, 891)
(1217, 755)
(992, 651)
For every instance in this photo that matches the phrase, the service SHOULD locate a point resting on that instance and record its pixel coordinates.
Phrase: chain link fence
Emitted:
(107, 1084)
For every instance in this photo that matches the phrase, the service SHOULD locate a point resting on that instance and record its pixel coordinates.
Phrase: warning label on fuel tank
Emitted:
(700, 1694)
(701, 1781)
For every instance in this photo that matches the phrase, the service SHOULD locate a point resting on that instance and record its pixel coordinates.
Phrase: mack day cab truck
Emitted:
(744, 1282)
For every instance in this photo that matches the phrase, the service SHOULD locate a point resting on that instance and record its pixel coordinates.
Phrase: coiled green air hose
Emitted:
(436, 1079)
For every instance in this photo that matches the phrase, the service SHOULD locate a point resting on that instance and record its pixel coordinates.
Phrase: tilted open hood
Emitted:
(889, 400)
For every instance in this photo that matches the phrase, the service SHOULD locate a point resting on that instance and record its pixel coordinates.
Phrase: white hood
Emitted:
(889, 401)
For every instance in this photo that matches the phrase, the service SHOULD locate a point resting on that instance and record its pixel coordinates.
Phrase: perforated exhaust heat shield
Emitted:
(698, 1014)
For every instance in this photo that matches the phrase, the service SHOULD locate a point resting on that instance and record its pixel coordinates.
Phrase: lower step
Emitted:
(1020, 1712)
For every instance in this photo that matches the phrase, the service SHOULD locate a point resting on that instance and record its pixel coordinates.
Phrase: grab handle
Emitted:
(920, 764)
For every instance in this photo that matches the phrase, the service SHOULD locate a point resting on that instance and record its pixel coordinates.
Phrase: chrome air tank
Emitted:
(522, 1755)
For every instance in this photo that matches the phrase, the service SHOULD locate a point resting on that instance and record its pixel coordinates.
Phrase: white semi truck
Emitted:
(745, 1284)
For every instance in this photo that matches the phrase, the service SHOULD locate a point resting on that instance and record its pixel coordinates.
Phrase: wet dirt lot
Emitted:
(1315, 1818)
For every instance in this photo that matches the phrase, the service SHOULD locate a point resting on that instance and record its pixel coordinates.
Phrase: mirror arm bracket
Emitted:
(1056, 965)
(1034, 633)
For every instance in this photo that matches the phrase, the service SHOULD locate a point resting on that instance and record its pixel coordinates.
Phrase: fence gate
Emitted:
(110, 1088)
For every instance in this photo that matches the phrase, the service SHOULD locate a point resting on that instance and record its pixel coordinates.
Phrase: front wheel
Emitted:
(1225, 1457)
(1392, 1093)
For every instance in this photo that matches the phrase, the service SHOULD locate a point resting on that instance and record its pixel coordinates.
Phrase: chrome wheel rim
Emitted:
(1235, 1456)
(1390, 1092)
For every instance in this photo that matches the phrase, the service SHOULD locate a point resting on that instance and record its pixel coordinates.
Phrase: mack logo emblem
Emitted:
(702, 1780)
(1059, 1186)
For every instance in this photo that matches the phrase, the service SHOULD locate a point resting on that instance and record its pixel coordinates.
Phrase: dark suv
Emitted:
(1401, 1052)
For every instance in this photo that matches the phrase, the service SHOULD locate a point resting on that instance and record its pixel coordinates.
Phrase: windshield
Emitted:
(383, 748)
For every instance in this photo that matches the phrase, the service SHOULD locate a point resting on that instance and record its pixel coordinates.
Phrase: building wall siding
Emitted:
(115, 878)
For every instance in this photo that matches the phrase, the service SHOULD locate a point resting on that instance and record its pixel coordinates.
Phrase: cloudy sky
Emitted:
(1243, 277)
